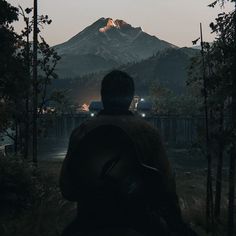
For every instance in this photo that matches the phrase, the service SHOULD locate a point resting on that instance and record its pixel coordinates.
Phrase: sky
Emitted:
(176, 21)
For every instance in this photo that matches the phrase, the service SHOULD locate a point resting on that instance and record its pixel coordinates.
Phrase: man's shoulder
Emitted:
(121, 120)
(130, 124)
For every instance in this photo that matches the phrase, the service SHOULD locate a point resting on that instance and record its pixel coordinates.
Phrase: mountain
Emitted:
(198, 47)
(106, 44)
(169, 68)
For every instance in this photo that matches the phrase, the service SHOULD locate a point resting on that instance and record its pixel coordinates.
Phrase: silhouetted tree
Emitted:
(225, 27)
(12, 73)
(221, 87)
(16, 90)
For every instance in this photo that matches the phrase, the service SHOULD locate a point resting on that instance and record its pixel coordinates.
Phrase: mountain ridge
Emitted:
(168, 68)
(110, 40)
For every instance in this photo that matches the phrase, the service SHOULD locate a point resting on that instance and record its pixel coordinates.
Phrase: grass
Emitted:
(48, 213)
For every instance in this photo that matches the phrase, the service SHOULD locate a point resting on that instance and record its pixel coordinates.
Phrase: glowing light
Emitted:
(92, 114)
(143, 115)
(142, 99)
(110, 24)
(85, 107)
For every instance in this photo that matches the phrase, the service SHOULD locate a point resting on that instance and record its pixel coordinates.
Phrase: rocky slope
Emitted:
(104, 45)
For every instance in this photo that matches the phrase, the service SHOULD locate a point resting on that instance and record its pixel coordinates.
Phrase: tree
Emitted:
(225, 28)
(44, 60)
(220, 66)
(166, 102)
(12, 71)
(16, 90)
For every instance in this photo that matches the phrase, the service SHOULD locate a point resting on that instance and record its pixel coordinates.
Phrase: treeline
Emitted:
(17, 88)
(214, 73)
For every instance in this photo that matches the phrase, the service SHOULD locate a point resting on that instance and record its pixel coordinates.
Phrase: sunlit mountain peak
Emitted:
(110, 24)
(113, 24)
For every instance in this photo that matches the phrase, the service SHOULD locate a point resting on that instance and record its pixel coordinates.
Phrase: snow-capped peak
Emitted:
(112, 24)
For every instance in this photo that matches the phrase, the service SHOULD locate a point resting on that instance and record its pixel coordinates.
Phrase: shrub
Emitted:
(16, 184)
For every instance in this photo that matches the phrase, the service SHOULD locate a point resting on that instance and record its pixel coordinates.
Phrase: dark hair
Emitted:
(117, 90)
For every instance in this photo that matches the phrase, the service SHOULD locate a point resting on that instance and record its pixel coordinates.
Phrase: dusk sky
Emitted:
(176, 21)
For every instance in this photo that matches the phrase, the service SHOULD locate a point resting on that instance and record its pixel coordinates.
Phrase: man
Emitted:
(117, 170)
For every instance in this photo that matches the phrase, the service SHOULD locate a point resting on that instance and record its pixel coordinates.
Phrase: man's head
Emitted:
(117, 90)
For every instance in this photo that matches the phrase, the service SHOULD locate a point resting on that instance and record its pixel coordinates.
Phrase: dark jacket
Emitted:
(144, 164)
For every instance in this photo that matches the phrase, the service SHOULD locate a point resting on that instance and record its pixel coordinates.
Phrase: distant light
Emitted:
(143, 115)
(92, 114)
(142, 100)
(85, 107)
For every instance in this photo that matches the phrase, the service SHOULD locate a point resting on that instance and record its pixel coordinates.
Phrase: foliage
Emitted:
(12, 70)
(218, 68)
(219, 74)
(47, 62)
(31, 203)
(16, 183)
(15, 76)
(168, 103)
(8, 13)
(47, 214)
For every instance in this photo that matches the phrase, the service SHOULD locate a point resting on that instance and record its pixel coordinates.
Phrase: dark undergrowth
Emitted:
(31, 203)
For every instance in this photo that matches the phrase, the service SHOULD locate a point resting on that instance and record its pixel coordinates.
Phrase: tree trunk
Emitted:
(16, 138)
(219, 168)
(35, 82)
(27, 121)
(209, 192)
(233, 151)
(231, 194)
(219, 183)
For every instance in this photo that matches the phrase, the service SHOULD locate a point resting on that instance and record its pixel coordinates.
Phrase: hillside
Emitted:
(106, 44)
(168, 68)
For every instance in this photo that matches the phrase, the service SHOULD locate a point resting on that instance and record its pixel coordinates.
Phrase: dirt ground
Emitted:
(190, 171)
(49, 215)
